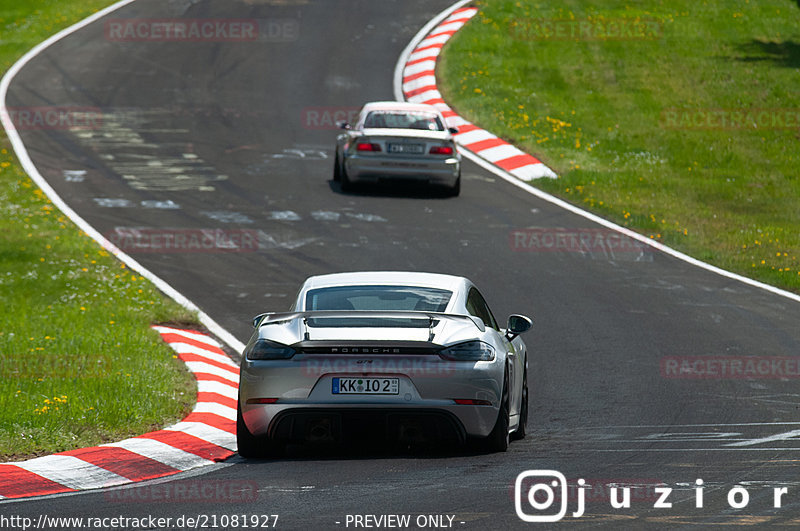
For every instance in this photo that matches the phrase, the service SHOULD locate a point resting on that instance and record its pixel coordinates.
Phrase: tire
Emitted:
(497, 440)
(521, 430)
(455, 190)
(248, 445)
(337, 170)
(344, 181)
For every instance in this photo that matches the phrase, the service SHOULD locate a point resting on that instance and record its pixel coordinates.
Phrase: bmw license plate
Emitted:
(366, 386)
(406, 148)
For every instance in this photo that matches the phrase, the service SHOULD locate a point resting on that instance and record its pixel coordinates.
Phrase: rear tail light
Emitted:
(468, 351)
(471, 402)
(441, 150)
(367, 146)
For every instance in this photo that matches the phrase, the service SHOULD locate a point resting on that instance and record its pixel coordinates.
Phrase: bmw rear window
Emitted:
(403, 120)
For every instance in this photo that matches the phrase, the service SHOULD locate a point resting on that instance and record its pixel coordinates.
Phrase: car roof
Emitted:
(399, 106)
(401, 278)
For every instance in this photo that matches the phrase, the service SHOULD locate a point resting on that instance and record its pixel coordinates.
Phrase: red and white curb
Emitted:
(206, 436)
(419, 86)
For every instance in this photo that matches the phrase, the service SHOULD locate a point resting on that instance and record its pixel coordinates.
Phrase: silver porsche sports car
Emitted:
(404, 357)
(398, 141)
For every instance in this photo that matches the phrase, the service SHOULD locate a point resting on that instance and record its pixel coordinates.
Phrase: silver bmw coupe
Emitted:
(398, 141)
(400, 357)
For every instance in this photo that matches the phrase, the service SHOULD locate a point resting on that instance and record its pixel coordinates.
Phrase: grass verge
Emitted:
(678, 119)
(79, 364)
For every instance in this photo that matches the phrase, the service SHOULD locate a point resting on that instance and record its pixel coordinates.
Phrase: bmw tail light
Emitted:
(468, 351)
(367, 146)
(441, 150)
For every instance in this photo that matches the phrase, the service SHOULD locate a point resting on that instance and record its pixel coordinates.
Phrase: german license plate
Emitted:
(366, 386)
(406, 148)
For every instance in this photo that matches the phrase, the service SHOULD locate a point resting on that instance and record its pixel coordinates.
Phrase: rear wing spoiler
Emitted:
(265, 319)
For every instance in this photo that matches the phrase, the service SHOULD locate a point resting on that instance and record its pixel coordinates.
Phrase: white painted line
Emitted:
(639, 450)
(72, 472)
(207, 433)
(399, 89)
(777, 437)
(664, 427)
(27, 164)
(427, 28)
(161, 452)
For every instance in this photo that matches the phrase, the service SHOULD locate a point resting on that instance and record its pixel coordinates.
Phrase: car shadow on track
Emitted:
(400, 190)
(321, 451)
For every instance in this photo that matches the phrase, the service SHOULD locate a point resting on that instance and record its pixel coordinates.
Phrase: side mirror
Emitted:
(453, 130)
(257, 319)
(343, 125)
(517, 324)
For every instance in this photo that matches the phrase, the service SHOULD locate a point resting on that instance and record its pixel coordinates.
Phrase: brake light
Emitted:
(261, 400)
(441, 150)
(471, 402)
(367, 146)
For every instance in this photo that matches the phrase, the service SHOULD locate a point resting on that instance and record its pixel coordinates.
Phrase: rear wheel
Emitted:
(455, 190)
(521, 430)
(337, 170)
(344, 180)
(248, 445)
(497, 441)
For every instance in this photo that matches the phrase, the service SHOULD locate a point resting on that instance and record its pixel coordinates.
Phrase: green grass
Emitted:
(79, 364)
(595, 110)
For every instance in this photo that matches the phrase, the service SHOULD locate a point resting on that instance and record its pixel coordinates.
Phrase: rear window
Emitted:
(424, 121)
(378, 298)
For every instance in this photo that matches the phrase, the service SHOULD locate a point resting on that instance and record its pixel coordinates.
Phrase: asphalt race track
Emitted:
(230, 135)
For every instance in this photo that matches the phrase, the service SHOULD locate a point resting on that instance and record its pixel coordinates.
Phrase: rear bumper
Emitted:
(428, 386)
(444, 171)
